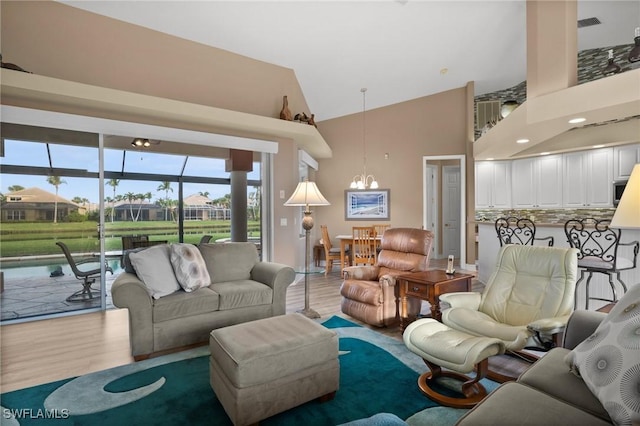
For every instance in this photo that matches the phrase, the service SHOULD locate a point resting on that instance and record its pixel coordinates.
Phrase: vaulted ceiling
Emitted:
(398, 49)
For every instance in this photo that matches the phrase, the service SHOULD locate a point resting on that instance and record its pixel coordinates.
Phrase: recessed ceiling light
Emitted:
(522, 141)
(443, 71)
(598, 146)
(577, 120)
(545, 153)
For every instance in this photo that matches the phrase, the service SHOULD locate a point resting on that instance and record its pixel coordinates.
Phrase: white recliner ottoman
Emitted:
(443, 347)
(264, 367)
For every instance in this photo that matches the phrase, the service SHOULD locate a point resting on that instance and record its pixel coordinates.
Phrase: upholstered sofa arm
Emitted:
(463, 299)
(365, 273)
(129, 292)
(278, 277)
(549, 325)
(581, 325)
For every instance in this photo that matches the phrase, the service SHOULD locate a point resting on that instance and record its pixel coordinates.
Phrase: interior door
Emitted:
(451, 211)
(431, 221)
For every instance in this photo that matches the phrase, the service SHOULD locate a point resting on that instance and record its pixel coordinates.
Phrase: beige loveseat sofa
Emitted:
(177, 294)
(591, 380)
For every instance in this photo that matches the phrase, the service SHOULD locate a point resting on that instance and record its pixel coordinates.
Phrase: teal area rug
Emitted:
(377, 374)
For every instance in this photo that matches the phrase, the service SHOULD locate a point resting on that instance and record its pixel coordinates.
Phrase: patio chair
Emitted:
(87, 277)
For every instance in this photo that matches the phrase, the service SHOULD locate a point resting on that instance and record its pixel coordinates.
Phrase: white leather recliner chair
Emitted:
(526, 302)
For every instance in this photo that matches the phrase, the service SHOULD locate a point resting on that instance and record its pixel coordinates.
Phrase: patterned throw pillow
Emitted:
(189, 267)
(609, 360)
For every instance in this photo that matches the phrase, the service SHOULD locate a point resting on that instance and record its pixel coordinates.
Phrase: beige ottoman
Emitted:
(440, 346)
(264, 367)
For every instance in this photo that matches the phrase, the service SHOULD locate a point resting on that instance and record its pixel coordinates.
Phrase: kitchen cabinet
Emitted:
(624, 158)
(493, 184)
(537, 182)
(587, 178)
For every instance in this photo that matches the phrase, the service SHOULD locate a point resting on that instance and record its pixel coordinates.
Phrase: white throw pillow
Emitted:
(609, 360)
(189, 267)
(153, 267)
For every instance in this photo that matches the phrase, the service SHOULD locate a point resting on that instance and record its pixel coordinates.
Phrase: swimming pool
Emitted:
(44, 267)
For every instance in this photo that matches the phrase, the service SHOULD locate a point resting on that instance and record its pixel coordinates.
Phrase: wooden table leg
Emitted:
(436, 313)
(403, 303)
(343, 243)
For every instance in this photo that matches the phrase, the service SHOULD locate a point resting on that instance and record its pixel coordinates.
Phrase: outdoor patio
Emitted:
(25, 297)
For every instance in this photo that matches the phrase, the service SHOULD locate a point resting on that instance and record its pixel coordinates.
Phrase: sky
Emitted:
(86, 158)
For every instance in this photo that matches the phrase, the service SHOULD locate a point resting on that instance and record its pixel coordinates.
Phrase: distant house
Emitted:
(199, 207)
(35, 204)
(139, 210)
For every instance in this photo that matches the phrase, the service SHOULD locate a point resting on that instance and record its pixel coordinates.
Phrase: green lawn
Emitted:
(28, 239)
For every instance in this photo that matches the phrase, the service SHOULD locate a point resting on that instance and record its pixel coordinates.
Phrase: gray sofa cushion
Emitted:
(518, 404)
(182, 304)
(229, 261)
(242, 293)
(153, 267)
(551, 375)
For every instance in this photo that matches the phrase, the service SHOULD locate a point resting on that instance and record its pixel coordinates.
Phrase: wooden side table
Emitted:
(429, 285)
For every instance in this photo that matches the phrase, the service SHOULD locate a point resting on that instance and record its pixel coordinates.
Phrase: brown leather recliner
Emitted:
(369, 293)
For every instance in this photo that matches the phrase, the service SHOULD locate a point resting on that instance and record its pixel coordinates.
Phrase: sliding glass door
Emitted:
(53, 192)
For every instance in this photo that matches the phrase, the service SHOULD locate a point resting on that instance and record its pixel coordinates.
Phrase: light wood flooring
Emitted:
(42, 351)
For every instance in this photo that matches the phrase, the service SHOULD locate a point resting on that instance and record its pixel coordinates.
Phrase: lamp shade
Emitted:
(627, 213)
(307, 194)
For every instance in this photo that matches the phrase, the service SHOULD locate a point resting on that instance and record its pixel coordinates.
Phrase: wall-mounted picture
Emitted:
(366, 204)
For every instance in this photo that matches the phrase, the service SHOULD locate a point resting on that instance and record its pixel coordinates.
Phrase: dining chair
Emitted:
(599, 247)
(330, 253)
(514, 230)
(363, 250)
(380, 228)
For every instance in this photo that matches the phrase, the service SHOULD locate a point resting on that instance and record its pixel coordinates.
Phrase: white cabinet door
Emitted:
(599, 181)
(549, 181)
(537, 182)
(484, 183)
(587, 178)
(523, 173)
(493, 188)
(624, 158)
(501, 184)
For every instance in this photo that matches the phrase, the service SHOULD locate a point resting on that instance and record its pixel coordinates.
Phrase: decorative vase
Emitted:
(285, 114)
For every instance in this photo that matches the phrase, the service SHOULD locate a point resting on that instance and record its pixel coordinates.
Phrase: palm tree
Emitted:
(130, 196)
(109, 210)
(55, 181)
(254, 203)
(166, 187)
(205, 194)
(113, 183)
(141, 198)
(14, 188)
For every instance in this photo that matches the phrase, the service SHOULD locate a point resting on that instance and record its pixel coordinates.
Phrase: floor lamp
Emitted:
(627, 214)
(307, 194)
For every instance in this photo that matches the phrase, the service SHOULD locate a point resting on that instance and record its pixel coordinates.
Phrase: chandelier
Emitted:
(364, 180)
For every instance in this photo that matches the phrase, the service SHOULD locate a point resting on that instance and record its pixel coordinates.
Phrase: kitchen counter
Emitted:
(538, 224)
(488, 247)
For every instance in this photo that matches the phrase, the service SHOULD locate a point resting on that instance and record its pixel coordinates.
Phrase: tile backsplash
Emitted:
(544, 216)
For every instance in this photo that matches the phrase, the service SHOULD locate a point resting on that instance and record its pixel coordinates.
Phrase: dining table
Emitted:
(346, 240)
